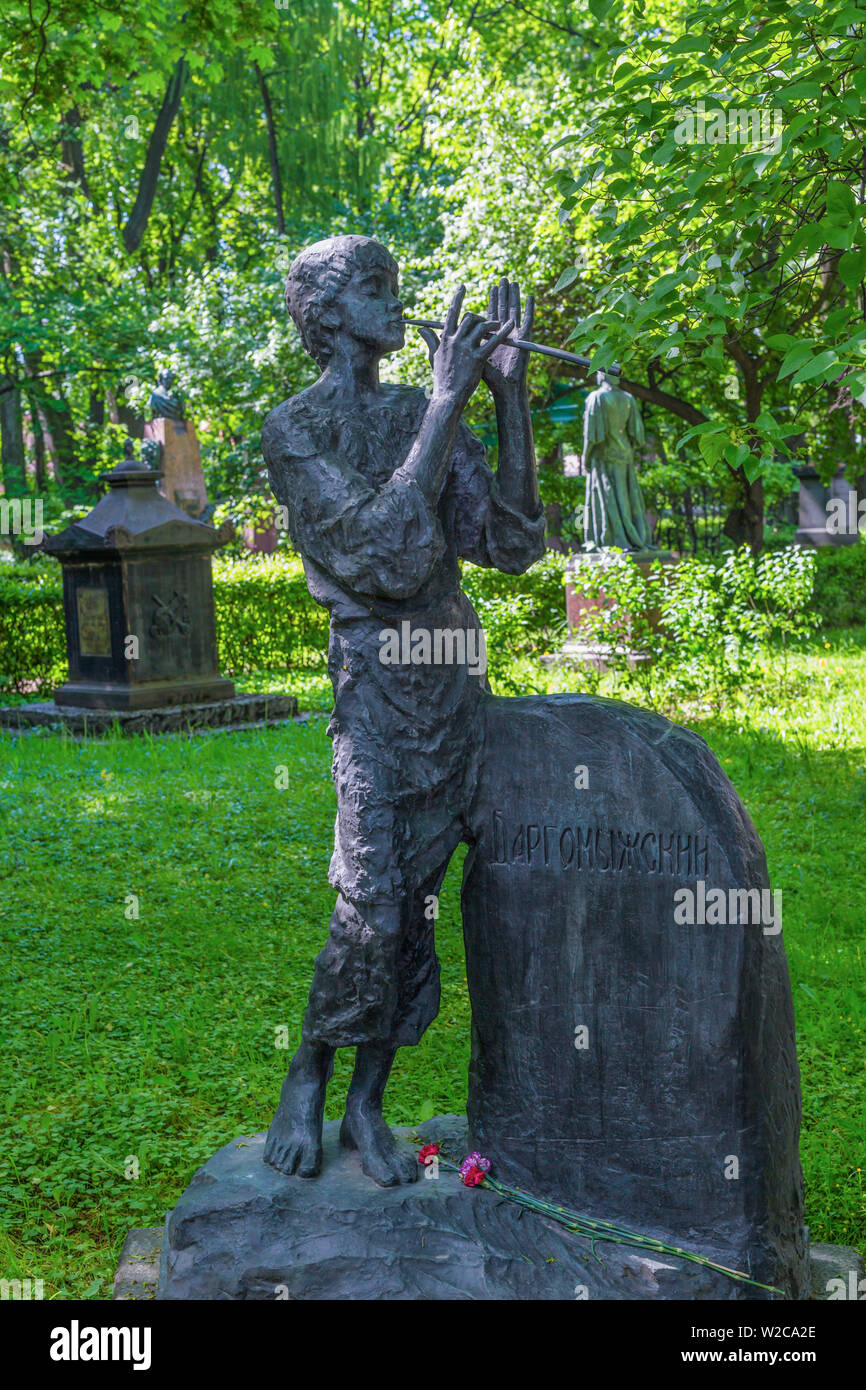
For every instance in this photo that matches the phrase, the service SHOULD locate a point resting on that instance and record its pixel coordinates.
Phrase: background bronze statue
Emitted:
(386, 491)
(612, 432)
(165, 403)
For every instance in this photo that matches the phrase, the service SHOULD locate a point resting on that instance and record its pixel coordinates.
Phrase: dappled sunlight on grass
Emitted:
(147, 1029)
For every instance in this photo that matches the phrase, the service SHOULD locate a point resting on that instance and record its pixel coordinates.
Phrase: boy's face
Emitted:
(368, 307)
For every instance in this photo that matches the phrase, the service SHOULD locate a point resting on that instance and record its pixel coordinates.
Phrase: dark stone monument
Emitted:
(814, 525)
(679, 1105)
(628, 1061)
(138, 600)
(675, 1114)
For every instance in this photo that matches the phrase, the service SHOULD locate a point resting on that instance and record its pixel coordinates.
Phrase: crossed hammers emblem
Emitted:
(169, 617)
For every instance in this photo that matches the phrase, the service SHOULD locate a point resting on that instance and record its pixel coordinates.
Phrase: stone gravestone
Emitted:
(138, 599)
(624, 1064)
(815, 526)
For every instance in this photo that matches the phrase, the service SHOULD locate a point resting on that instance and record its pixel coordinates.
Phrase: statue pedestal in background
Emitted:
(578, 604)
(179, 453)
(180, 460)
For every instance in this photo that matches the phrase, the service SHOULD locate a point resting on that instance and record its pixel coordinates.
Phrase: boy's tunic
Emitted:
(407, 738)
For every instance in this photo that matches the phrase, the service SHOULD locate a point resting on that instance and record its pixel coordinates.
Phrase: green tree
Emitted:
(721, 178)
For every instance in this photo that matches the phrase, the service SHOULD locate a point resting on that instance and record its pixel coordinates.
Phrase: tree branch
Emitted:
(272, 152)
(653, 396)
(136, 224)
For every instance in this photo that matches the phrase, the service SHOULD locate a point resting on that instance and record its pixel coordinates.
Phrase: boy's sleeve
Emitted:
(490, 532)
(382, 543)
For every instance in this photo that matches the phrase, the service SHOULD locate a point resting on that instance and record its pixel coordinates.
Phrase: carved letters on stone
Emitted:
(605, 848)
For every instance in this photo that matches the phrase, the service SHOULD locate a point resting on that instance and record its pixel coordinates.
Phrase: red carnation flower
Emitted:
(473, 1177)
(428, 1151)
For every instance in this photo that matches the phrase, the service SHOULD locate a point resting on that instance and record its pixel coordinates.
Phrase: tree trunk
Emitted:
(744, 524)
(121, 413)
(53, 422)
(12, 439)
(273, 154)
(136, 224)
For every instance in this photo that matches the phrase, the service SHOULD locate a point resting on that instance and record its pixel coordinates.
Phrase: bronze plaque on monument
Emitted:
(94, 631)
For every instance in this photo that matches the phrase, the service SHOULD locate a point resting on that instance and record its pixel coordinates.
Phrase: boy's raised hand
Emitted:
(459, 356)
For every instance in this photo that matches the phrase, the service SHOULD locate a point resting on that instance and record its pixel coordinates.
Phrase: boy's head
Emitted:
(345, 284)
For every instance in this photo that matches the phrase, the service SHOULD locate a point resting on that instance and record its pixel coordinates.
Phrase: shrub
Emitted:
(32, 630)
(701, 626)
(840, 584)
(265, 617)
(716, 616)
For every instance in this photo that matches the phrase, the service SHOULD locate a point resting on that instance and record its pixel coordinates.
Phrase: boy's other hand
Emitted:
(506, 366)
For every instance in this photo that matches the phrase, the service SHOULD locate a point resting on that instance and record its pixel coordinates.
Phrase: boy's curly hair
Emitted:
(316, 278)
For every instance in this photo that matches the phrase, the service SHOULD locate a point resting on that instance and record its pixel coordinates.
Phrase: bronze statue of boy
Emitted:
(386, 491)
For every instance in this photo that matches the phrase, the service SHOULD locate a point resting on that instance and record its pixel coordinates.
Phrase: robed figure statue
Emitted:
(612, 430)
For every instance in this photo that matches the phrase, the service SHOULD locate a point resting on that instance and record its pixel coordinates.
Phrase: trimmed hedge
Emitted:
(32, 630)
(266, 620)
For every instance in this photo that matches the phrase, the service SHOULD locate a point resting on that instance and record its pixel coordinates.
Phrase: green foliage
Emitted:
(265, 616)
(715, 617)
(701, 627)
(32, 631)
(266, 619)
(840, 585)
(522, 615)
(720, 179)
(89, 311)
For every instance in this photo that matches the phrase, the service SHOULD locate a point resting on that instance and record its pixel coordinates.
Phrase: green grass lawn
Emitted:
(153, 1037)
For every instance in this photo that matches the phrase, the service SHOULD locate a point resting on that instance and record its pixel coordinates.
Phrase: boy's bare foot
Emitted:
(294, 1143)
(381, 1159)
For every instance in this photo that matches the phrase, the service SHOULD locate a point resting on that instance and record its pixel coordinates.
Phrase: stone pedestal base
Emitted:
(600, 655)
(244, 1232)
(577, 604)
(111, 696)
(239, 711)
(836, 1270)
(181, 463)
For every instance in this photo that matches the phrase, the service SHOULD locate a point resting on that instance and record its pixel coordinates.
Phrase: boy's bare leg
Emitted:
(363, 1126)
(294, 1143)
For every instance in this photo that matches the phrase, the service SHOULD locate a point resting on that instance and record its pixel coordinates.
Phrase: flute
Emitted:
(559, 353)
